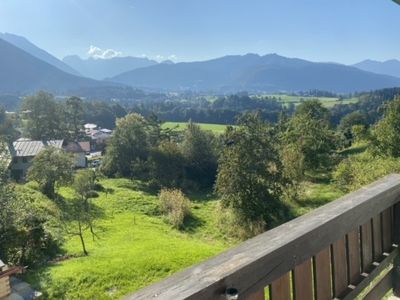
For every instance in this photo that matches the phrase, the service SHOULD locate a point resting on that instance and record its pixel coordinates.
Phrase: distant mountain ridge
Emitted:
(27, 46)
(252, 72)
(104, 68)
(22, 73)
(389, 67)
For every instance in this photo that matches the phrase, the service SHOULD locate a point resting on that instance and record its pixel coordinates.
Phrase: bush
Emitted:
(175, 206)
(362, 169)
(237, 228)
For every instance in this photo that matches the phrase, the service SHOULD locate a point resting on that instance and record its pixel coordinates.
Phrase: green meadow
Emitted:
(135, 246)
(180, 126)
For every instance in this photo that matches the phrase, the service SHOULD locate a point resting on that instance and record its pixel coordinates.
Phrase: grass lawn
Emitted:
(135, 247)
(326, 101)
(179, 126)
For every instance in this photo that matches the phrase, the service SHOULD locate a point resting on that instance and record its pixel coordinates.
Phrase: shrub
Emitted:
(362, 169)
(237, 228)
(175, 206)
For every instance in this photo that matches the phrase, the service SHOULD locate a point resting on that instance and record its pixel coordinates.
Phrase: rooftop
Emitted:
(27, 148)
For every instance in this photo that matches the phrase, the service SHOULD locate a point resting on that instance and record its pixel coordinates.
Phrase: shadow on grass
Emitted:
(191, 224)
(354, 150)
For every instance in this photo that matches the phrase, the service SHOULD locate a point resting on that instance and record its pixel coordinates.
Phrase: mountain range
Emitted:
(27, 46)
(25, 68)
(22, 73)
(255, 73)
(103, 68)
(389, 67)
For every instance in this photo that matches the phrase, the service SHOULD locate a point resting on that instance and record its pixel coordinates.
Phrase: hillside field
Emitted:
(180, 126)
(136, 247)
(326, 101)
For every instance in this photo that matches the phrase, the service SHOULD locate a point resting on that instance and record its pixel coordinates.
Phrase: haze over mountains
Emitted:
(27, 46)
(389, 67)
(22, 73)
(255, 73)
(25, 68)
(104, 68)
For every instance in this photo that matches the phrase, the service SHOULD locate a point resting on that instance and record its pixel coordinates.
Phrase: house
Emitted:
(79, 150)
(23, 151)
(5, 284)
(89, 127)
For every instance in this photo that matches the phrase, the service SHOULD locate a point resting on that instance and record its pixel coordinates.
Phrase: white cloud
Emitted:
(172, 57)
(98, 53)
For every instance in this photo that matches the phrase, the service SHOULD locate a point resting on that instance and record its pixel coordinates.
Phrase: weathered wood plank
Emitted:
(366, 245)
(258, 262)
(280, 288)
(303, 281)
(354, 256)
(377, 236)
(376, 270)
(339, 267)
(396, 240)
(260, 295)
(387, 229)
(381, 288)
(322, 275)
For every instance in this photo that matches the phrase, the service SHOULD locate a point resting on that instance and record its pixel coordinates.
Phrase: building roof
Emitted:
(90, 126)
(76, 147)
(32, 148)
(85, 146)
(105, 130)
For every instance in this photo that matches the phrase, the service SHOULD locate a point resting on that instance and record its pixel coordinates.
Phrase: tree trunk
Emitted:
(82, 240)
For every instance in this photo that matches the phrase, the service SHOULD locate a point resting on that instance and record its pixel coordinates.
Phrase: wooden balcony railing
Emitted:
(333, 252)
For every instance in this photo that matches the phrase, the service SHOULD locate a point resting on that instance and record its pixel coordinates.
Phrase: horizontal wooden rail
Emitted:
(329, 235)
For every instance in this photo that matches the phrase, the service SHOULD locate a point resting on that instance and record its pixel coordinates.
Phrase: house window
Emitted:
(15, 160)
(24, 160)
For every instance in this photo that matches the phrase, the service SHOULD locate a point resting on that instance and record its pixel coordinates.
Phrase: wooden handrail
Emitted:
(264, 259)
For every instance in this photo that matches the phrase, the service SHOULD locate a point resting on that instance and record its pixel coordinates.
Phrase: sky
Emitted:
(344, 31)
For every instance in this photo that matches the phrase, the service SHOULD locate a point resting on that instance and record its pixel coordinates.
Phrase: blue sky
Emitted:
(320, 30)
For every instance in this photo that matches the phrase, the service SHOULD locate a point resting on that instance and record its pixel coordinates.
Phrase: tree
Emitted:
(49, 168)
(250, 178)
(84, 186)
(347, 123)
(74, 116)
(128, 145)
(7, 129)
(27, 234)
(309, 132)
(167, 165)
(198, 149)
(385, 134)
(44, 117)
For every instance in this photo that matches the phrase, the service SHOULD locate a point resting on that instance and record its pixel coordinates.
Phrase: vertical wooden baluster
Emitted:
(322, 275)
(387, 229)
(280, 288)
(260, 295)
(366, 245)
(302, 281)
(396, 240)
(354, 258)
(339, 267)
(377, 236)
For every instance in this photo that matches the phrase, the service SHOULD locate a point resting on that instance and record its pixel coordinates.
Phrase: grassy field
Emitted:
(136, 247)
(327, 101)
(216, 128)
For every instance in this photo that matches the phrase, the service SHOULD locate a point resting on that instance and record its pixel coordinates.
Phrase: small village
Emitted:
(86, 153)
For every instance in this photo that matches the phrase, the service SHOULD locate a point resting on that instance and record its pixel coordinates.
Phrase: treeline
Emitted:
(223, 110)
(369, 104)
